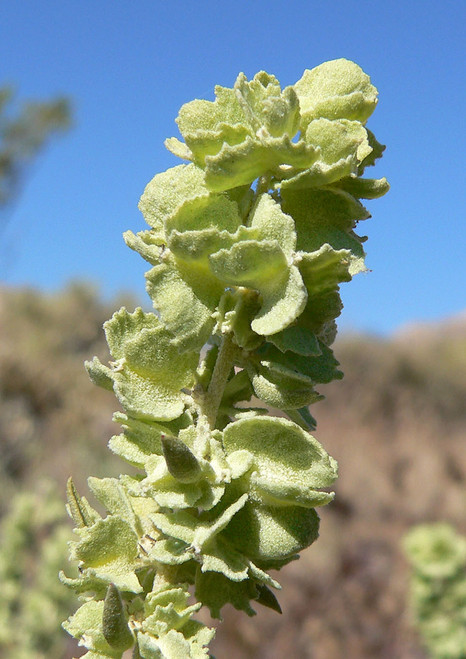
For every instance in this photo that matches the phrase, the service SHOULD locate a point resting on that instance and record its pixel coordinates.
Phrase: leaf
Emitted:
(320, 368)
(281, 388)
(169, 190)
(338, 140)
(151, 372)
(215, 590)
(327, 217)
(363, 188)
(221, 557)
(99, 374)
(262, 265)
(79, 509)
(86, 624)
(111, 493)
(269, 533)
(141, 438)
(110, 549)
(335, 89)
(215, 211)
(268, 599)
(206, 125)
(149, 244)
(297, 339)
(271, 223)
(288, 467)
(185, 304)
(242, 163)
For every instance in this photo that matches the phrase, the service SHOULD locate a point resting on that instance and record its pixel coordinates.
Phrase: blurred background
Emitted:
(88, 93)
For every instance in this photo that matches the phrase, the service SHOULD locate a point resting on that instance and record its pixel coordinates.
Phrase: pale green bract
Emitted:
(248, 243)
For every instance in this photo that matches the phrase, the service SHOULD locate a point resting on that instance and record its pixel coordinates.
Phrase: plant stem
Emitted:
(225, 360)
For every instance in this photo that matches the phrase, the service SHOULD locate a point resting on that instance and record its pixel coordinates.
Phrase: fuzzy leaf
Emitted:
(111, 493)
(99, 374)
(335, 89)
(269, 533)
(215, 590)
(363, 188)
(297, 339)
(212, 212)
(263, 266)
(168, 191)
(141, 438)
(281, 388)
(79, 509)
(242, 163)
(327, 217)
(185, 304)
(151, 372)
(110, 549)
(86, 624)
(321, 368)
(288, 467)
(272, 224)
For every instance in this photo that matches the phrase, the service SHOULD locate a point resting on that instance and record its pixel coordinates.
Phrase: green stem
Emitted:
(225, 360)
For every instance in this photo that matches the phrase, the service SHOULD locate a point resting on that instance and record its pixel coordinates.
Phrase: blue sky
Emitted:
(128, 66)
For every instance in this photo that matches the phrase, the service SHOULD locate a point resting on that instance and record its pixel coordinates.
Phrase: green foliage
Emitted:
(248, 245)
(438, 590)
(33, 539)
(23, 133)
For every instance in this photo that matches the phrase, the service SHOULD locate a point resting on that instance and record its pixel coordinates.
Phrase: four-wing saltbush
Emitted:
(248, 243)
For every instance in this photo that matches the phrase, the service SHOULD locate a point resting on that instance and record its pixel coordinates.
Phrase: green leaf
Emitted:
(363, 188)
(149, 244)
(215, 590)
(242, 163)
(178, 148)
(168, 191)
(335, 89)
(297, 339)
(271, 223)
(111, 493)
(327, 216)
(206, 125)
(86, 624)
(377, 151)
(268, 599)
(99, 374)
(79, 509)
(320, 368)
(221, 557)
(151, 372)
(185, 303)
(141, 438)
(281, 388)
(288, 467)
(216, 211)
(263, 266)
(338, 140)
(268, 533)
(110, 549)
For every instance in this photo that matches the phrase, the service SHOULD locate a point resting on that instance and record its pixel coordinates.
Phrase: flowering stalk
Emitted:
(248, 243)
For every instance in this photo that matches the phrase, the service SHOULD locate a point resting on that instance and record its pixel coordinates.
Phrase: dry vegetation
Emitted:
(396, 425)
